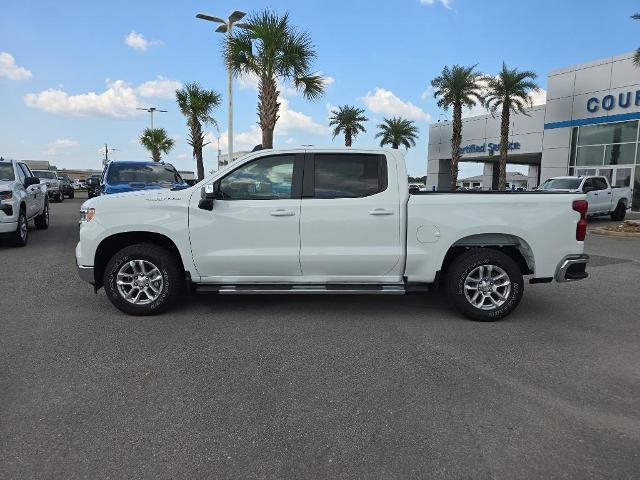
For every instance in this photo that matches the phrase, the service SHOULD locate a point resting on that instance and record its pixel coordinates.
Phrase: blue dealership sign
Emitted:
(609, 102)
(490, 147)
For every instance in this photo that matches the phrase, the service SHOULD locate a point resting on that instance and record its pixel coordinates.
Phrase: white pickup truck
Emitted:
(318, 221)
(603, 199)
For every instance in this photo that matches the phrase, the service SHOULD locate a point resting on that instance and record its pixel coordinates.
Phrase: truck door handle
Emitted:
(596, 193)
(281, 212)
(380, 211)
(608, 193)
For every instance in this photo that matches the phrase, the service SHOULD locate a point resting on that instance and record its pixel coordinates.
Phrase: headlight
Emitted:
(6, 195)
(87, 214)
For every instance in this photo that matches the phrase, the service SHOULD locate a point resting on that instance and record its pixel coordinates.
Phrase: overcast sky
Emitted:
(73, 72)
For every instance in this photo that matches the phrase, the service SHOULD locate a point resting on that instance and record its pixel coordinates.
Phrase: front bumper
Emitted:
(8, 227)
(86, 274)
(572, 268)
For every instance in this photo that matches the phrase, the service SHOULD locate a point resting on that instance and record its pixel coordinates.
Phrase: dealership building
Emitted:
(588, 126)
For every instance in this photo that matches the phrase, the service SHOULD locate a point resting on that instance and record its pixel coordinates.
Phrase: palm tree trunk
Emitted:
(196, 139)
(155, 154)
(456, 139)
(395, 145)
(504, 146)
(347, 139)
(268, 109)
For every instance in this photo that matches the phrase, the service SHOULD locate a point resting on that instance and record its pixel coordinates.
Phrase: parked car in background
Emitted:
(66, 186)
(328, 221)
(54, 186)
(125, 176)
(22, 199)
(93, 185)
(79, 183)
(603, 199)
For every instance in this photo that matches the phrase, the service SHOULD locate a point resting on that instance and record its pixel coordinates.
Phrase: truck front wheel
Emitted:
(143, 279)
(484, 284)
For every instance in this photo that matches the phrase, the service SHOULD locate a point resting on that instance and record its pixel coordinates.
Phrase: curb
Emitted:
(609, 233)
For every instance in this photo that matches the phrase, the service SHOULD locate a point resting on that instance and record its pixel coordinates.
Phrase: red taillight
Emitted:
(581, 206)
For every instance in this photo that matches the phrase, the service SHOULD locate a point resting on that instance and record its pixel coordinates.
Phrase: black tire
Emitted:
(89, 195)
(42, 220)
(20, 237)
(619, 213)
(60, 197)
(72, 194)
(172, 278)
(472, 262)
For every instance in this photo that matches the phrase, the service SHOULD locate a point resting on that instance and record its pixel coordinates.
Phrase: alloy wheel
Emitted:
(487, 287)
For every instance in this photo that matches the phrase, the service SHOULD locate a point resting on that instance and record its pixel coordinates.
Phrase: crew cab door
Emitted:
(252, 234)
(350, 218)
(34, 196)
(598, 194)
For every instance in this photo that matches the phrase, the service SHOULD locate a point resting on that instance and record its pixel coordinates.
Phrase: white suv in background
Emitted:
(22, 199)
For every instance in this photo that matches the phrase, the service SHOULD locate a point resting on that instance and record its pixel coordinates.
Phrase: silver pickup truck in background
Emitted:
(602, 197)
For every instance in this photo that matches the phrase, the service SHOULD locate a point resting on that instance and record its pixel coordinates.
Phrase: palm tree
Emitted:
(157, 142)
(273, 50)
(397, 131)
(457, 87)
(197, 104)
(636, 56)
(347, 119)
(511, 90)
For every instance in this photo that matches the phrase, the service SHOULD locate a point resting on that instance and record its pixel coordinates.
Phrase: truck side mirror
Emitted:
(208, 195)
(28, 181)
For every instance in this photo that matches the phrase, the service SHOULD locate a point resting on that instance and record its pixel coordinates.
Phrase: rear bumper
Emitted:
(572, 268)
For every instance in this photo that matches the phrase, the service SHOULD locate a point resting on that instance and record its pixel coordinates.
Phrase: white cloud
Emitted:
(387, 103)
(137, 41)
(10, 70)
(60, 144)
(119, 100)
(445, 3)
(427, 93)
(161, 87)
(292, 120)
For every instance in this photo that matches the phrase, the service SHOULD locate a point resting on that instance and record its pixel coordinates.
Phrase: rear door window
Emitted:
(599, 183)
(349, 175)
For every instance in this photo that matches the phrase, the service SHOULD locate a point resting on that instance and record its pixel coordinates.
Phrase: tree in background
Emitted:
(397, 131)
(273, 50)
(511, 91)
(636, 56)
(348, 120)
(457, 87)
(197, 105)
(157, 142)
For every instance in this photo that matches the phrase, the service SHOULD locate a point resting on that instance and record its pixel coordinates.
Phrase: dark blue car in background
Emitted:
(125, 176)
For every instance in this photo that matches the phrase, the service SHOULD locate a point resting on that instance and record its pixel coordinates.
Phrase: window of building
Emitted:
(590, 155)
(623, 177)
(619, 154)
(349, 175)
(268, 178)
(620, 132)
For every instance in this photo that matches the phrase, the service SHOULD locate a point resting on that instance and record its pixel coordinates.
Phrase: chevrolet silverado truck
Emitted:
(22, 199)
(603, 199)
(328, 221)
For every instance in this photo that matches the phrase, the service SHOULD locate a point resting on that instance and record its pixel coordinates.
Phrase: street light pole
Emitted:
(226, 26)
(151, 110)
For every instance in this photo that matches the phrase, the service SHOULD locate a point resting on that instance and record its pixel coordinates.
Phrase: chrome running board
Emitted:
(308, 289)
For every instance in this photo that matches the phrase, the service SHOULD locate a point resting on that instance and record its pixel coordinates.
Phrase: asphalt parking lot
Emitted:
(316, 387)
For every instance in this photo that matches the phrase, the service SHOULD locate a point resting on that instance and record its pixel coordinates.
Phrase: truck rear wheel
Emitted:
(619, 213)
(42, 220)
(143, 279)
(484, 284)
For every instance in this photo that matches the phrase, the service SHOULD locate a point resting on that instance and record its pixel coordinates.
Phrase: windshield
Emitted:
(6, 172)
(44, 174)
(561, 184)
(144, 173)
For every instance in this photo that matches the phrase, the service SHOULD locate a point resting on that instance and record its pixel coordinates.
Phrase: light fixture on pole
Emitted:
(226, 26)
(151, 110)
